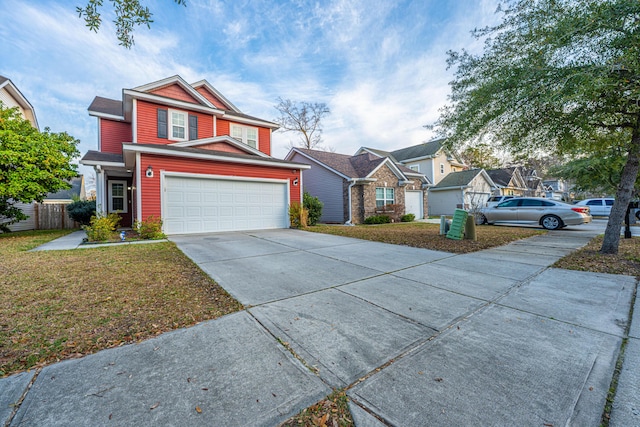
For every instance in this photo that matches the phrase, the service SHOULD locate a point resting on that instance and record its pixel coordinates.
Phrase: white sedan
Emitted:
(551, 214)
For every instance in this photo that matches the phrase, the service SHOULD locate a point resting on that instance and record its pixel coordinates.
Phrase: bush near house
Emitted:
(151, 228)
(298, 215)
(377, 219)
(407, 218)
(314, 206)
(82, 210)
(102, 228)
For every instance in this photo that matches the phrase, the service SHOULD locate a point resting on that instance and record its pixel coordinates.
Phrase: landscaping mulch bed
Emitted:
(626, 261)
(427, 236)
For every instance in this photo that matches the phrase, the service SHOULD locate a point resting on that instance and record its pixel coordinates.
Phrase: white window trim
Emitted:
(170, 125)
(244, 134)
(415, 168)
(125, 201)
(441, 168)
(385, 200)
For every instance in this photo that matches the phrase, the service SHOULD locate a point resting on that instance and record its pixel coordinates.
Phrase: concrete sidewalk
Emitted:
(419, 337)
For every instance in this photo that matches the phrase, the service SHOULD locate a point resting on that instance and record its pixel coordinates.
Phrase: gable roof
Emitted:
(424, 150)
(20, 99)
(507, 176)
(122, 110)
(462, 179)
(360, 166)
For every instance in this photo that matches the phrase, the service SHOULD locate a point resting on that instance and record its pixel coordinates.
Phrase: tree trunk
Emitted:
(623, 196)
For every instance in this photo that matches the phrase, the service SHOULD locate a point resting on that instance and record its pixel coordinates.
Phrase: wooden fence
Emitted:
(45, 216)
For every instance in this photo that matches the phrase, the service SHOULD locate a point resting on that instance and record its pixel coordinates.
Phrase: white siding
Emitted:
(9, 101)
(326, 186)
(27, 224)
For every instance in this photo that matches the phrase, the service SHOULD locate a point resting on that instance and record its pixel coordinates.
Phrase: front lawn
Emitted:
(62, 304)
(588, 258)
(427, 236)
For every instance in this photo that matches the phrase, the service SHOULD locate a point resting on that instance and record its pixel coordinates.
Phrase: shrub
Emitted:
(407, 217)
(102, 227)
(298, 215)
(314, 206)
(82, 210)
(151, 228)
(378, 219)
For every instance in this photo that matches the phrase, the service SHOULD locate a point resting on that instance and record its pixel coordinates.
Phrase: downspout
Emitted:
(353, 182)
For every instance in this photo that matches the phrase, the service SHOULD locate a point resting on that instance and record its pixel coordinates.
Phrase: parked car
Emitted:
(598, 207)
(494, 200)
(551, 214)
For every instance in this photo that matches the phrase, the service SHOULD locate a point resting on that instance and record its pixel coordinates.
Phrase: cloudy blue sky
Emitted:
(378, 64)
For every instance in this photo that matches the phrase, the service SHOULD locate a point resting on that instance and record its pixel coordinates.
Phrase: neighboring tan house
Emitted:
(428, 158)
(186, 154)
(508, 181)
(557, 189)
(533, 182)
(11, 97)
(353, 188)
(468, 190)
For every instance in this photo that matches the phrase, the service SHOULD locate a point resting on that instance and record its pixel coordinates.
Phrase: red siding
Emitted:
(175, 92)
(211, 97)
(150, 187)
(221, 146)
(147, 122)
(113, 134)
(222, 127)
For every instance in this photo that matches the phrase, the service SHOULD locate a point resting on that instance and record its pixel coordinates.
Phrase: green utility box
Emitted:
(456, 231)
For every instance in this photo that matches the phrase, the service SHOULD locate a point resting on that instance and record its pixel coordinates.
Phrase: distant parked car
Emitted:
(551, 214)
(598, 207)
(494, 200)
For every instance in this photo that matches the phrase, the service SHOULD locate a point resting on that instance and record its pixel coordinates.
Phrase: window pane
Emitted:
(178, 132)
(609, 202)
(177, 119)
(389, 195)
(117, 190)
(236, 132)
(379, 193)
(117, 203)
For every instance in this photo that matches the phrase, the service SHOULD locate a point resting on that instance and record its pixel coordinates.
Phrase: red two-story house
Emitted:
(184, 153)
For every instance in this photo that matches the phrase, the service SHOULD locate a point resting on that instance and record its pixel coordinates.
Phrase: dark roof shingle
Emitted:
(106, 106)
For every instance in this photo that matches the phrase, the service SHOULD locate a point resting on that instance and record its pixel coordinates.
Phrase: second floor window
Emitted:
(415, 168)
(178, 125)
(246, 134)
(441, 168)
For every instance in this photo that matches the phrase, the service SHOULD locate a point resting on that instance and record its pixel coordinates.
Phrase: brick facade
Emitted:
(363, 196)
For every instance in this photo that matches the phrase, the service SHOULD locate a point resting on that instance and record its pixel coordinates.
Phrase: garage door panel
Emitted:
(198, 205)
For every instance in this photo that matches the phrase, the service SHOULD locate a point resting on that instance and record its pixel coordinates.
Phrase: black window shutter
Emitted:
(162, 123)
(193, 127)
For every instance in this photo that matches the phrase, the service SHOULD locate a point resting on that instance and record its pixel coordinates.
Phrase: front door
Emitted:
(119, 200)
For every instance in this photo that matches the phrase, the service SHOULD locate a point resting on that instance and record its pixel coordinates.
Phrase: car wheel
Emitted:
(551, 222)
(481, 219)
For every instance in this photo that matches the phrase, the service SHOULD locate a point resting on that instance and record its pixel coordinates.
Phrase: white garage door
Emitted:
(202, 205)
(413, 203)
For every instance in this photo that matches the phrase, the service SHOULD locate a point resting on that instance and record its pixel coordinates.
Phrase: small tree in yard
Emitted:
(32, 164)
(555, 75)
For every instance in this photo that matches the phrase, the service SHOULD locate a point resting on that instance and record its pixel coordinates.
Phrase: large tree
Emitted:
(129, 13)
(555, 75)
(32, 164)
(304, 118)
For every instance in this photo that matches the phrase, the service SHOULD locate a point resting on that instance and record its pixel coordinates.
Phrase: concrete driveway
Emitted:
(418, 337)
(423, 337)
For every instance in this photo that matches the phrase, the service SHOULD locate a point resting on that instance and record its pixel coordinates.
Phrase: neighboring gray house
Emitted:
(427, 158)
(468, 190)
(353, 188)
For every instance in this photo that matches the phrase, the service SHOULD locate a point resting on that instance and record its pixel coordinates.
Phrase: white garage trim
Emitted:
(274, 213)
